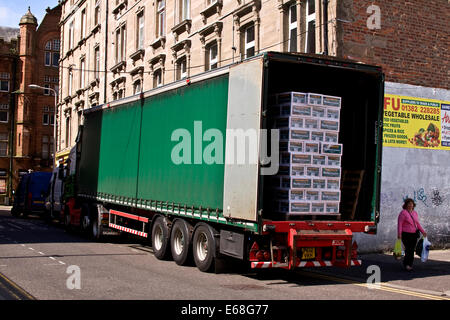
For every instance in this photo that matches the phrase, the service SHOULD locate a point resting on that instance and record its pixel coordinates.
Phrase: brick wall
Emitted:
(411, 45)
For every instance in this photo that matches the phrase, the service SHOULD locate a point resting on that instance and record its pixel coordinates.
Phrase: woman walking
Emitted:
(408, 231)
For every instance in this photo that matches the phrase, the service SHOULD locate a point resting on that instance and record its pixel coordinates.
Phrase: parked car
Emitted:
(29, 197)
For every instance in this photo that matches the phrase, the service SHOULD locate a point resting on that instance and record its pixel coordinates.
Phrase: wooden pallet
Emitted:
(350, 188)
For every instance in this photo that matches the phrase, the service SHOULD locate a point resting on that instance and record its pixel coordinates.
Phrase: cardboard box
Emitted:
(315, 99)
(294, 110)
(319, 160)
(312, 171)
(291, 146)
(311, 147)
(312, 195)
(331, 172)
(288, 158)
(317, 207)
(330, 125)
(294, 134)
(289, 122)
(294, 207)
(333, 114)
(296, 183)
(318, 112)
(319, 183)
(332, 196)
(334, 161)
(331, 101)
(291, 170)
(333, 184)
(332, 207)
(331, 137)
(311, 123)
(317, 136)
(332, 148)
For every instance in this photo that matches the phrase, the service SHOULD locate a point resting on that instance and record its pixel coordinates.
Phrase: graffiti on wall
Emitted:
(432, 197)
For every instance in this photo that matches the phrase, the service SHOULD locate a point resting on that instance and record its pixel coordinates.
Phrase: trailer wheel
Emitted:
(160, 239)
(203, 246)
(180, 242)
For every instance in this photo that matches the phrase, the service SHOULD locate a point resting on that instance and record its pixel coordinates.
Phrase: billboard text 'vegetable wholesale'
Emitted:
(411, 122)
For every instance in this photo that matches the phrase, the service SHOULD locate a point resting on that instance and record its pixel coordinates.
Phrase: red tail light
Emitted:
(354, 250)
(253, 251)
(260, 255)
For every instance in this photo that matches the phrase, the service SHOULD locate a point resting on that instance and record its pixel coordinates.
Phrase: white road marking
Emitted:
(61, 262)
(31, 249)
(52, 258)
(41, 253)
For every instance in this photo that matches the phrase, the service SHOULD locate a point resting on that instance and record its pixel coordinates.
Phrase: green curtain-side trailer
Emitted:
(174, 151)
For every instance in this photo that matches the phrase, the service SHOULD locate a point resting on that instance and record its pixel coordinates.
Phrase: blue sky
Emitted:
(12, 10)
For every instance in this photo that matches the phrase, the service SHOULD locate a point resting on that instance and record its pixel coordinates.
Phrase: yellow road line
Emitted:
(19, 289)
(378, 286)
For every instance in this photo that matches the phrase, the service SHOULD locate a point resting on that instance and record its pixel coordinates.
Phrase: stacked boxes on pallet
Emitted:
(309, 178)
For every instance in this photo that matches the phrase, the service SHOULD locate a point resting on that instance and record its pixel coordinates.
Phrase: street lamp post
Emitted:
(35, 86)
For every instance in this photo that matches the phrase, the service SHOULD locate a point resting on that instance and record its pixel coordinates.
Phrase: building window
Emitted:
(137, 87)
(249, 42)
(48, 117)
(97, 62)
(3, 144)
(68, 131)
(140, 31)
(46, 91)
(71, 35)
(82, 74)
(120, 43)
(83, 24)
(211, 57)
(292, 47)
(4, 111)
(97, 13)
(157, 78)
(183, 10)
(310, 39)
(70, 83)
(160, 18)
(45, 147)
(51, 54)
(4, 81)
(181, 68)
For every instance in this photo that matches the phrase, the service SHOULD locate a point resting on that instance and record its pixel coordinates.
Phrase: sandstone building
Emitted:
(28, 55)
(114, 49)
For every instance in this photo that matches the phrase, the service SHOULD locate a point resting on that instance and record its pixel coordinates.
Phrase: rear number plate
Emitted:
(308, 253)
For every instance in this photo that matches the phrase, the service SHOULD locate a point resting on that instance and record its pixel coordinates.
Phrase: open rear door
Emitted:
(243, 140)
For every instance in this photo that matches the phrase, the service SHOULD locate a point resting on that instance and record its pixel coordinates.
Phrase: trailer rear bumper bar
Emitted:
(301, 264)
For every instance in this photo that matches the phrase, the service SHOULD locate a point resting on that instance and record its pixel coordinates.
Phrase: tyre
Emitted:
(180, 242)
(85, 222)
(203, 247)
(160, 239)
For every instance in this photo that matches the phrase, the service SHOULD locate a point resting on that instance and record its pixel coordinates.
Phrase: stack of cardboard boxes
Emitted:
(308, 181)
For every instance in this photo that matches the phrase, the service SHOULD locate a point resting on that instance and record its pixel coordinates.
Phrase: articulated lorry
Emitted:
(165, 165)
